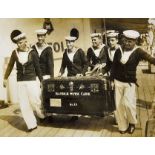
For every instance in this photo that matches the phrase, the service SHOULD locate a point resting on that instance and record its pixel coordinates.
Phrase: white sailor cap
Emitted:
(112, 35)
(131, 34)
(22, 35)
(110, 31)
(96, 35)
(70, 38)
(41, 31)
(17, 35)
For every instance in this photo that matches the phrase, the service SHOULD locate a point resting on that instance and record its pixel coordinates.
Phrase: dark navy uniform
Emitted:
(78, 66)
(46, 60)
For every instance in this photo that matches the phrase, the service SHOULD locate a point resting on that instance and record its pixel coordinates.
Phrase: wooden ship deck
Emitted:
(13, 125)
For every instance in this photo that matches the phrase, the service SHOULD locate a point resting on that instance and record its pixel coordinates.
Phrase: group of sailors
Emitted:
(118, 60)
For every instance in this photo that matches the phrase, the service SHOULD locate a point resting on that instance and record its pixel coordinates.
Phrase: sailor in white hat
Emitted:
(45, 54)
(27, 65)
(74, 59)
(96, 54)
(123, 72)
(112, 38)
(46, 61)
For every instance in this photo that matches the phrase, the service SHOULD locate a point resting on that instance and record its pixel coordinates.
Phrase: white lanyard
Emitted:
(126, 54)
(22, 56)
(40, 50)
(97, 51)
(111, 53)
(71, 54)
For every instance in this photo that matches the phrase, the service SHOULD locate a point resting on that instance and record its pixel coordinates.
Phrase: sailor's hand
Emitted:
(102, 66)
(88, 73)
(79, 75)
(4, 83)
(100, 74)
(96, 66)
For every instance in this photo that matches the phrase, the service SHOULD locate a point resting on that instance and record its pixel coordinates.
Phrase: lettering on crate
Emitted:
(74, 104)
(72, 93)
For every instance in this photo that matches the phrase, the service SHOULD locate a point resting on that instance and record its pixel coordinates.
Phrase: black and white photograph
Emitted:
(77, 77)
